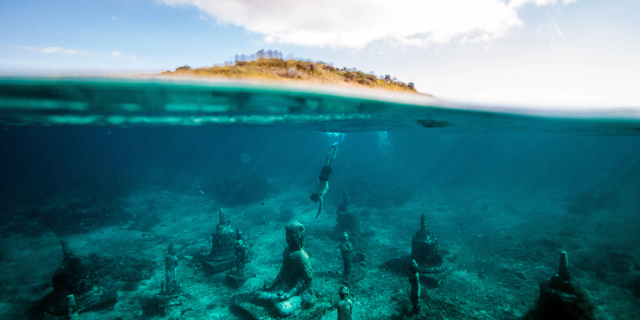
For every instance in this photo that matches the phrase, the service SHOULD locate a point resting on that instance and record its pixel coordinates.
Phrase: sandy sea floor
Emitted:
(498, 255)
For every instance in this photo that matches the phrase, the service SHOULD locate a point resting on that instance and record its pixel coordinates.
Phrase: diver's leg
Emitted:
(331, 155)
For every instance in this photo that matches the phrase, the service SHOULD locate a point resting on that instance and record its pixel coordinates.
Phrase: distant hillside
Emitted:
(297, 70)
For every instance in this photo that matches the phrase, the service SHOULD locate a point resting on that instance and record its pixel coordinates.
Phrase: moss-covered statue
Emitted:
(346, 250)
(292, 287)
(169, 294)
(290, 294)
(345, 305)
(414, 280)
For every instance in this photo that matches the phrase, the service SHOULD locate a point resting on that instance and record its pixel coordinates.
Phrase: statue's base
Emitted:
(433, 269)
(247, 306)
(432, 277)
(238, 278)
(218, 266)
(167, 300)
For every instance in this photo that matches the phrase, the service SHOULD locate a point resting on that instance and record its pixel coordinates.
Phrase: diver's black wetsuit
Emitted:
(325, 173)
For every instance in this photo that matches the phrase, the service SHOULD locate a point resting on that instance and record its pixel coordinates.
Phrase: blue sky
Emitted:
(537, 53)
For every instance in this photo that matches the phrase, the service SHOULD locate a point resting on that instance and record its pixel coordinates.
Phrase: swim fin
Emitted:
(338, 140)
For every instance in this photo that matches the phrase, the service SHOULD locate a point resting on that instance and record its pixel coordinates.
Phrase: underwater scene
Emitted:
(148, 199)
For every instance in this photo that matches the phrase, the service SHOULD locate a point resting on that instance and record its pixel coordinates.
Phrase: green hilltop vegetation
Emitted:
(280, 69)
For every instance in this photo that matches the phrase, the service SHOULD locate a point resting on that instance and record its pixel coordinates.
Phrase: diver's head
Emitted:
(314, 197)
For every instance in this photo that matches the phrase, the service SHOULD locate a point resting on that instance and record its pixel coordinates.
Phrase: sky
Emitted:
(533, 53)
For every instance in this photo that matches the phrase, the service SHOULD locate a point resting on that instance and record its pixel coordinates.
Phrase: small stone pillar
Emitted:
(223, 253)
(563, 269)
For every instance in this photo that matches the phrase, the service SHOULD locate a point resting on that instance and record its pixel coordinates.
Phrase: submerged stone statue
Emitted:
(346, 250)
(72, 308)
(292, 285)
(562, 297)
(238, 276)
(347, 220)
(290, 293)
(345, 305)
(223, 252)
(414, 280)
(170, 264)
(169, 289)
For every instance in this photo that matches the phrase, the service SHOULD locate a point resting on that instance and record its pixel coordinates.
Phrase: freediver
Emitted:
(323, 183)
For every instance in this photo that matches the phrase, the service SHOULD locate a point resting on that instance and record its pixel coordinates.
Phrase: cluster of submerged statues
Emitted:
(291, 293)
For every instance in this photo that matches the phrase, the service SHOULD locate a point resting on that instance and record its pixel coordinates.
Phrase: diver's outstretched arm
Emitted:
(321, 201)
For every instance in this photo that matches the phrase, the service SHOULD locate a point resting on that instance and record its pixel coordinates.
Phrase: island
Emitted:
(271, 65)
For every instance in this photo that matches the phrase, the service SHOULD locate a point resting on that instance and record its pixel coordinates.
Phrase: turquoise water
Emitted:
(121, 168)
(161, 102)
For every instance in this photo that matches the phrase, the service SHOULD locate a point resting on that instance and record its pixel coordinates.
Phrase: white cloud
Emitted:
(114, 55)
(119, 55)
(55, 50)
(356, 23)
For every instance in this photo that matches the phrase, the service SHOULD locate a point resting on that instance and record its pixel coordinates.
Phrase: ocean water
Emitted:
(120, 169)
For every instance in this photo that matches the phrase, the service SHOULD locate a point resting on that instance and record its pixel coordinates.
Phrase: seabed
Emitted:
(497, 259)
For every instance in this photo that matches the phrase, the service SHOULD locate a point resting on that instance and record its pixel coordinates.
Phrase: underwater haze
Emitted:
(121, 169)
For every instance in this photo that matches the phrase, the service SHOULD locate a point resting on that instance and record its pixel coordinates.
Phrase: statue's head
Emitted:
(345, 236)
(295, 235)
(172, 250)
(344, 292)
(414, 266)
